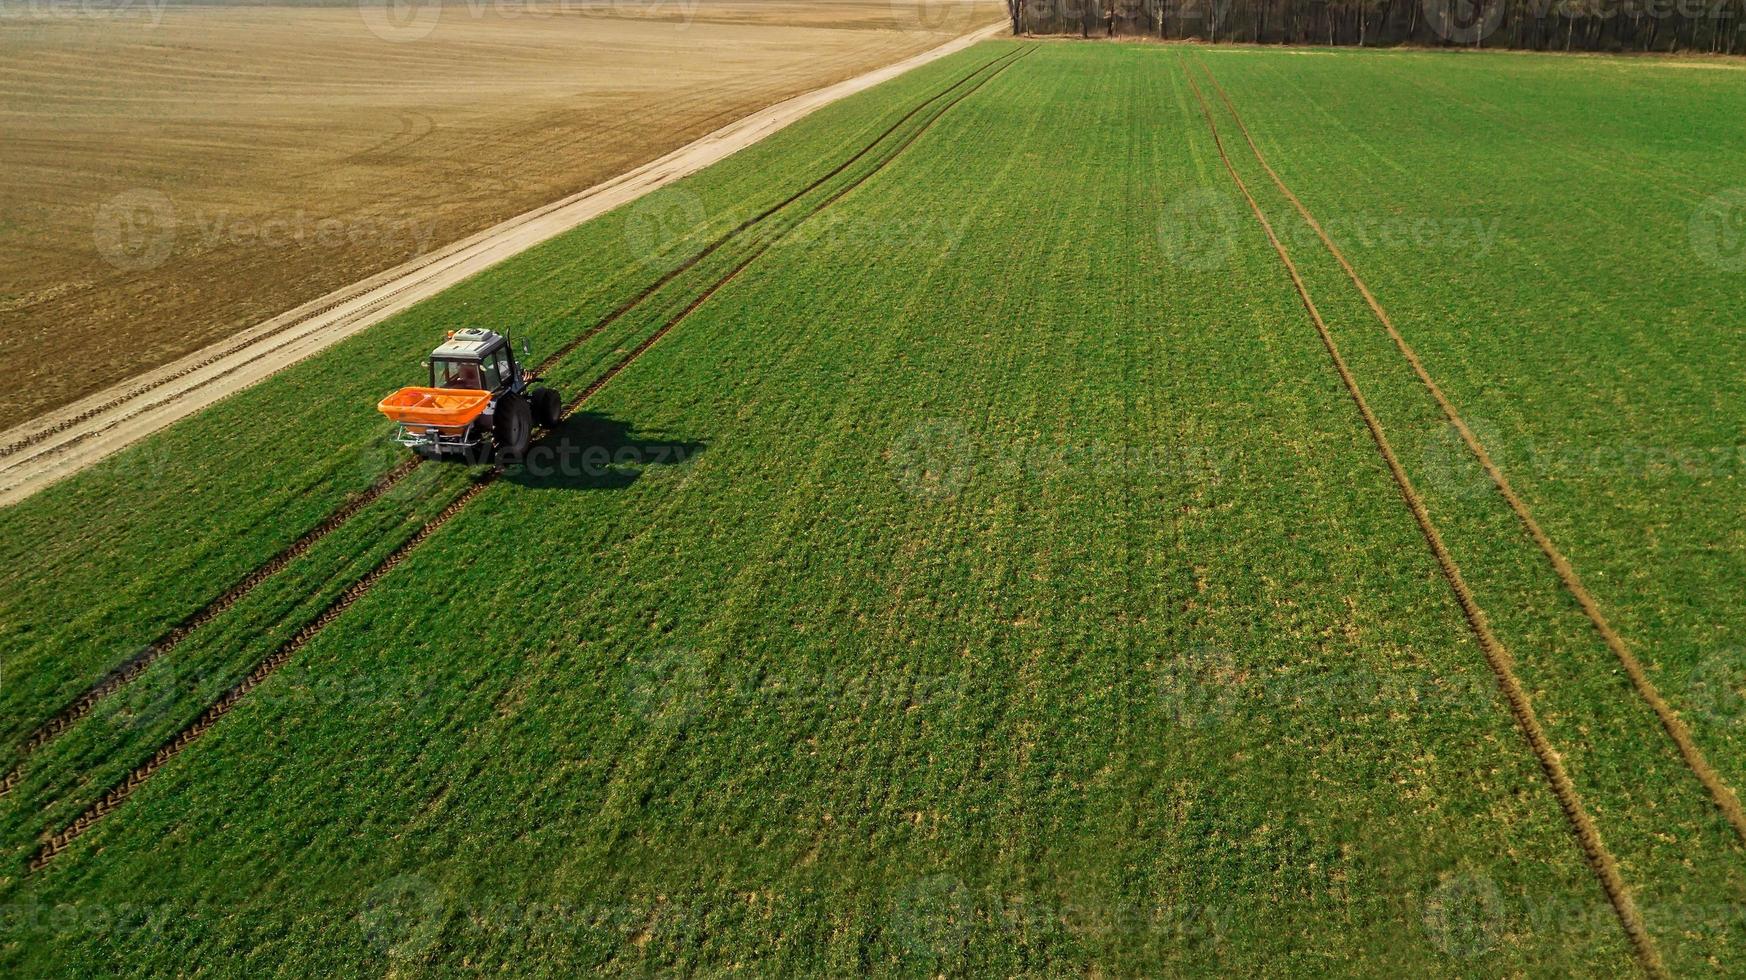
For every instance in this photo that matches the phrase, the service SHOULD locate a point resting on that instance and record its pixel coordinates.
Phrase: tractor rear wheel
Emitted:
(512, 426)
(547, 406)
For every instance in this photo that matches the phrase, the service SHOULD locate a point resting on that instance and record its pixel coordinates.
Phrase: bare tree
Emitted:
(1588, 25)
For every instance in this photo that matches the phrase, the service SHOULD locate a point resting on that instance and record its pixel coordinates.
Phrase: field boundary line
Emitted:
(107, 421)
(119, 793)
(164, 644)
(1498, 657)
(1724, 796)
(121, 675)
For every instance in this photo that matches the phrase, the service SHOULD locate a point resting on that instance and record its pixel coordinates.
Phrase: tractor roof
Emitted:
(471, 343)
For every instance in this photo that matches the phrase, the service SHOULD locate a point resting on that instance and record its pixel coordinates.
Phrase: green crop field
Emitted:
(965, 556)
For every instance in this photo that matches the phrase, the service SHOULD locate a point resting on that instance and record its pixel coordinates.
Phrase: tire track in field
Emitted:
(319, 325)
(1724, 796)
(163, 645)
(62, 425)
(118, 794)
(1497, 656)
(158, 648)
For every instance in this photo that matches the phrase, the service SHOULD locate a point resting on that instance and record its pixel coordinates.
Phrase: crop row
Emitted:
(1524, 331)
(389, 483)
(538, 464)
(102, 579)
(1028, 599)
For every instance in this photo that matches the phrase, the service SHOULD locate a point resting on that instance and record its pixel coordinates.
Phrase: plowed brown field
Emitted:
(175, 174)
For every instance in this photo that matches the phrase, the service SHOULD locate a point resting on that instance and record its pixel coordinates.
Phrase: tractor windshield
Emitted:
(448, 373)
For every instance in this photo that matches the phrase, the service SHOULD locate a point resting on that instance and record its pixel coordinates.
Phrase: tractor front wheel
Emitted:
(547, 406)
(512, 427)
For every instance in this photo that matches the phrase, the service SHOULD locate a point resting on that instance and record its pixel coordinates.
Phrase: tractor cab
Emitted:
(479, 398)
(475, 359)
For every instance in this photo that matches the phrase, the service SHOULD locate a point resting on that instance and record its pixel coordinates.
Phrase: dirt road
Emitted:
(179, 172)
(67, 440)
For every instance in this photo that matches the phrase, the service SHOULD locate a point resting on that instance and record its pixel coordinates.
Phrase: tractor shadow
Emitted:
(591, 451)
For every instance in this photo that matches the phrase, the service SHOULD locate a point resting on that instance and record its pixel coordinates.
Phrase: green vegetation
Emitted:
(993, 577)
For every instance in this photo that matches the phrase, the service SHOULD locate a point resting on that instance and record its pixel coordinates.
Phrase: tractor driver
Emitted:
(463, 374)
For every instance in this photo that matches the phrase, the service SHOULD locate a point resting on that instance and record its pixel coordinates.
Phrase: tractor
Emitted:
(480, 399)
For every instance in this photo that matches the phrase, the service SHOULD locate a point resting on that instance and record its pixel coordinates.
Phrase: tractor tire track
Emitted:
(1498, 657)
(29, 464)
(221, 354)
(758, 218)
(1724, 796)
(163, 645)
(118, 794)
(151, 653)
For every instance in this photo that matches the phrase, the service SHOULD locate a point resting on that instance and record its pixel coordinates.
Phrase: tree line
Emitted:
(1711, 26)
